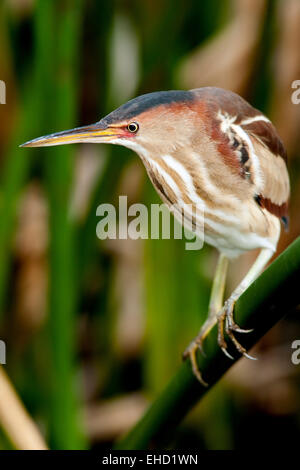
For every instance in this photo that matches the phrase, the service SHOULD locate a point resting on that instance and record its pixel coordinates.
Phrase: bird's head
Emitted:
(152, 123)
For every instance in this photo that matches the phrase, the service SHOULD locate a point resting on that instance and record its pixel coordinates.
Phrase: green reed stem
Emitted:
(265, 302)
(61, 89)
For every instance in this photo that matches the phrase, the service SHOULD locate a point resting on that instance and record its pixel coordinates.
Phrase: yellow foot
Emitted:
(226, 322)
(191, 352)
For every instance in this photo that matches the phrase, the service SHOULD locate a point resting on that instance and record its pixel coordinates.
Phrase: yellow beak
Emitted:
(94, 133)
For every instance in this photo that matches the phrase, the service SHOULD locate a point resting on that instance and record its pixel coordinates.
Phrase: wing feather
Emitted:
(250, 144)
(274, 191)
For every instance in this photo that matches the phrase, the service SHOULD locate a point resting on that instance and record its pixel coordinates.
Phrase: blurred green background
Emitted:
(94, 329)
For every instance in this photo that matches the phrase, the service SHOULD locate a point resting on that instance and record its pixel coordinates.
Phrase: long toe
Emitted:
(191, 352)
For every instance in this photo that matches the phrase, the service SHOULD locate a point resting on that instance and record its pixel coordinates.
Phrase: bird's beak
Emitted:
(99, 133)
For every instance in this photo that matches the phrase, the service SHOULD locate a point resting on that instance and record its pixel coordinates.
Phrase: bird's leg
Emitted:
(225, 318)
(216, 298)
(215, 305)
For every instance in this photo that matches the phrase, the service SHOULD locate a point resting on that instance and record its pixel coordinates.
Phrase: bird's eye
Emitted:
(133, 127)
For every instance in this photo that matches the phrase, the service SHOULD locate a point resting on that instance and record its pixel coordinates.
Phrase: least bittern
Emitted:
(206, 147)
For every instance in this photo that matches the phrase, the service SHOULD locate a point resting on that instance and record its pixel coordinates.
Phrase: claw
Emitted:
(227, 353)
(226, 320)
(191, 351)
(226, 323)
(241, 330)
(200, 346)
(234, 326)
(248, 356)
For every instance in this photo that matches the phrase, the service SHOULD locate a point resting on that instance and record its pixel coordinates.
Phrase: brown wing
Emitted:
(252, 146)
(274, 191)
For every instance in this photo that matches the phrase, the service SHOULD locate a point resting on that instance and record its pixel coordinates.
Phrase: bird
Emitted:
(209, 148)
